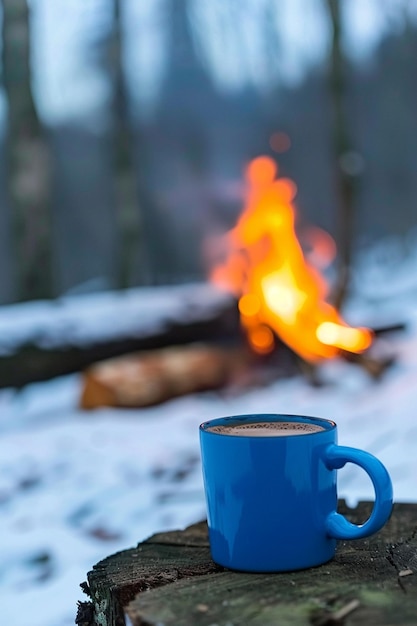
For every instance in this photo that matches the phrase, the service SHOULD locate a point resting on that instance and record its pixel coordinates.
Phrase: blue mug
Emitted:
(270, 487)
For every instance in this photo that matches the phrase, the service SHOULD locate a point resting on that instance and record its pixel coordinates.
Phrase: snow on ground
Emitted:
(76, 486)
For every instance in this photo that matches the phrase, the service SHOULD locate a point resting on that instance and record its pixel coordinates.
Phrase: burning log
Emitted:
(148, 378)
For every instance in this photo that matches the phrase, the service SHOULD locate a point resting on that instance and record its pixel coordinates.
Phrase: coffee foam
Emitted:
(267, 429)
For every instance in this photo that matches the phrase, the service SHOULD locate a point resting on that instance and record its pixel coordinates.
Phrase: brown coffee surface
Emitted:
(267, 429)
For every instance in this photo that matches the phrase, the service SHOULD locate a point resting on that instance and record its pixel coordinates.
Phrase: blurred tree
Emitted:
(7, 265)
(344, 156)
(126, 192)
(27, 159)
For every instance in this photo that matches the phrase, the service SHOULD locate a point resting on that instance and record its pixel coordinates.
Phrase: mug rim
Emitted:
(227, 420)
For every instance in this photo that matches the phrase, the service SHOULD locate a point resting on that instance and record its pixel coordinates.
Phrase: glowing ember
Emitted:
(278, 289)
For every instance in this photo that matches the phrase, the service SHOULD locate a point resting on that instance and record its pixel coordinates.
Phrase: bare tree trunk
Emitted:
(7, 262)
(27, 162)
(342, 150)
(126, 192)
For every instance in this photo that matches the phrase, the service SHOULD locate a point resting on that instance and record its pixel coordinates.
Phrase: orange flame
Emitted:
(278, 290)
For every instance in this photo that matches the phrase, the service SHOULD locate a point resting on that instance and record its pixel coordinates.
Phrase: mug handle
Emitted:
(337, 526)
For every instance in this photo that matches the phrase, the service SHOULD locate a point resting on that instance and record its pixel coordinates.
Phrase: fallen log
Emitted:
(39, 341)
(151, 377)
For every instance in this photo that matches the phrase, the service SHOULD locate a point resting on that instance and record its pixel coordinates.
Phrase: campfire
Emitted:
(279, 291)
(282, 299)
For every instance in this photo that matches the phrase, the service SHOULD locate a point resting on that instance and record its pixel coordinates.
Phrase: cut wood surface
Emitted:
(170, 580)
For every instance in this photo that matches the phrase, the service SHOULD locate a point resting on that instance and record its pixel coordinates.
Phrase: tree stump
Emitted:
(170, 580)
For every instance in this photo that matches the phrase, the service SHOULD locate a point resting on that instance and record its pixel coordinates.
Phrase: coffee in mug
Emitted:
(267, 429)
(270, 486)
